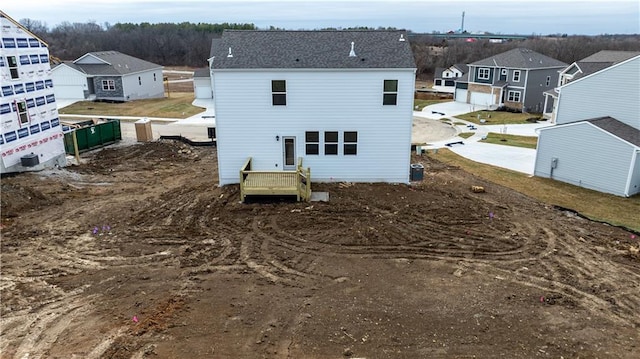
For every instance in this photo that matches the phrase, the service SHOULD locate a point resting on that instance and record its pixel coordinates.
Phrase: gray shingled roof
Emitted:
(588, 68)
(312, 49)
(202, 72)
(618, 129)
(611, 56)
(118, 64)
(520, 58)
(462, 67)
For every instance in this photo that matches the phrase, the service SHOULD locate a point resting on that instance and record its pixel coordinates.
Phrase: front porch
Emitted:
(275, 183)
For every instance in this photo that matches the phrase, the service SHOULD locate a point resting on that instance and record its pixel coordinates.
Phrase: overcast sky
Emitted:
(586, 17)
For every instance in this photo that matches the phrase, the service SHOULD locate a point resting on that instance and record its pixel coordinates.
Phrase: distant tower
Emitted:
(462, 26)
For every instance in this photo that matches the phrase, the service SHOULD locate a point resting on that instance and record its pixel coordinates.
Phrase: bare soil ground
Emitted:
(138, 254)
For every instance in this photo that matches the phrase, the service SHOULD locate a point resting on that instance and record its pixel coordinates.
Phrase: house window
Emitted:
(312, 142)
(516, 76)
(154, 77)
(108, 85)
(279, 92)
(484, 73)
(513, 96)
(350, 143)
(548, 81)
(331, 143)
(13, 67)
(22, 112)
(139, 81)
(390, 95)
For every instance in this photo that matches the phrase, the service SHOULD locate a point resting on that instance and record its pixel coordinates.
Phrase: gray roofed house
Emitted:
(240, 49)
(595, 142)
(108, 75)
(340, 100)
(445, 79)
(514, 79)
(582, 68)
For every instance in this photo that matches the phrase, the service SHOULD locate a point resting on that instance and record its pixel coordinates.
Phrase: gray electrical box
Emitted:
(554, 162)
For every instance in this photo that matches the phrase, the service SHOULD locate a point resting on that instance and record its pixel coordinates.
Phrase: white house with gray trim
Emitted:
(341, 100)
(596, 141)
(31, 136)
(108, 76)
(515, 79)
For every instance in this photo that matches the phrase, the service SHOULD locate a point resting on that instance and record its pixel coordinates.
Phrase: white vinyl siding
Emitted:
(612, 92)
(141, 85)
(587, 156)
(319, 100)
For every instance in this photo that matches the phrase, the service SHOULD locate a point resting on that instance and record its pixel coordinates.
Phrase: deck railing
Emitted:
(296, 183)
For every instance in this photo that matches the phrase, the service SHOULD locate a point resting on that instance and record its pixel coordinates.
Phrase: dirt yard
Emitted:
(138, 254)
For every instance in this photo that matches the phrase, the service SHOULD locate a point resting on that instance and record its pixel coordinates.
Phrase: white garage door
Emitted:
(461, 95)
(68, 92)
(479, 98)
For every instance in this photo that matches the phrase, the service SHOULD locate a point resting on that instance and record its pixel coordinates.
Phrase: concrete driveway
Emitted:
(447, 109)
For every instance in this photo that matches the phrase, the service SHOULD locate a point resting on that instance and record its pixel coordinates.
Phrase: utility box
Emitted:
(143, 130)
(417, 172)
(29, 160)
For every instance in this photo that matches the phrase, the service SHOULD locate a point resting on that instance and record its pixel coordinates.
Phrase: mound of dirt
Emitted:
(138, 253)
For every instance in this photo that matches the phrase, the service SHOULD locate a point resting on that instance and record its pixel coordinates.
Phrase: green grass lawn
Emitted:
(465, 134)
(497, 117)
(511, 140)
(595, 205)
(178, 105)
(418, 104)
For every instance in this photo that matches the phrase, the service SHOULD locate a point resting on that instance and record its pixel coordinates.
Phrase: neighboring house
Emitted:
(515, 79)
(341, 100)
(31, 137)
(108, 76)
(445, 79)
(596, 141)
(587, 66)
(202, 84)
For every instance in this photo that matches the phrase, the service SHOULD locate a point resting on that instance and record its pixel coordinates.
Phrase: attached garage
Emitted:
(461, 95)
(69, 82)
(481, 98)
(202, 84)
(69, 92)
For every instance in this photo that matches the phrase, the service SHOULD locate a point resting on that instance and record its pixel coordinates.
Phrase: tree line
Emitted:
(189, 44)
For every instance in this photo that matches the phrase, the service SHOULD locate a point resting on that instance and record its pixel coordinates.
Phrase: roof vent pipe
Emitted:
(401, 37)
(229, 55)
(352, 53)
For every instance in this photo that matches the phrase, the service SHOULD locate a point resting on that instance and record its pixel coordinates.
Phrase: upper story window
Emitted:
(484, 73)
(22, 112)
(390, 94)
(108, 85)
(516, 75)
(548, 81)
(13, 67)
(139, 80)
(279, 92)
(154, 76)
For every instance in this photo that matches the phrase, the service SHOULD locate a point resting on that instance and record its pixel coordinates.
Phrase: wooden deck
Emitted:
(275, 183)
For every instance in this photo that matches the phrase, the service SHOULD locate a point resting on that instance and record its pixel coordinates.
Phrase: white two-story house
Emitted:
(341, 100)
(596, 140)
(31, 137)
